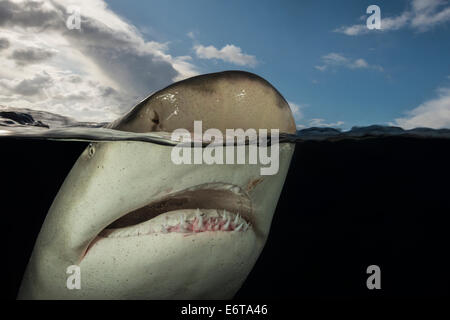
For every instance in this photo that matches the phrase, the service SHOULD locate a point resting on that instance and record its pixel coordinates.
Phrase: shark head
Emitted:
(135, 225)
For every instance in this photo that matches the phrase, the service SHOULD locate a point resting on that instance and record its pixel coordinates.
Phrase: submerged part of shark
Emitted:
(139, 226)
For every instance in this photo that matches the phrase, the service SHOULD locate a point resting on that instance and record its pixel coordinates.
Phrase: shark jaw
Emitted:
(188, 221)
(224, 207)
(118, 216)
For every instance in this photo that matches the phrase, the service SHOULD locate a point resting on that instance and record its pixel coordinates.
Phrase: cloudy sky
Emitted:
(332, 69)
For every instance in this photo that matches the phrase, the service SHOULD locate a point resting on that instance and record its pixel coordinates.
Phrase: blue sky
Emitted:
(288, 39)
(319, 54)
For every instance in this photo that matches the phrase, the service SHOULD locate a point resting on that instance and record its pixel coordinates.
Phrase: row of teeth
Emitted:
(211, 220)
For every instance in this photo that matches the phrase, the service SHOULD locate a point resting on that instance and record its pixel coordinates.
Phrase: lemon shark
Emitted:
(138, 226)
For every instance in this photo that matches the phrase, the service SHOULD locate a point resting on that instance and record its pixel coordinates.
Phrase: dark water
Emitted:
(374, 195)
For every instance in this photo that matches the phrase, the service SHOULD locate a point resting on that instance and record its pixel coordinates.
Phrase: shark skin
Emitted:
(141, 227)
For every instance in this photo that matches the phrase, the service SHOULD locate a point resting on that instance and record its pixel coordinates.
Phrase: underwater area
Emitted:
(370, 195)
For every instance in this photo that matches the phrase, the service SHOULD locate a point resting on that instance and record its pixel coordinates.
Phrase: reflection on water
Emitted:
(31, 124)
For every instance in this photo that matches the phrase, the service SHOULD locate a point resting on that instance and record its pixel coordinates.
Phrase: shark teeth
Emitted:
(183, 221)
(239, 227)
(225, 215)
(227, 224)
(199, 218)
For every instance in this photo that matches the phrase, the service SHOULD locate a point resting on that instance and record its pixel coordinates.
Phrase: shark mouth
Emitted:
(215, 207)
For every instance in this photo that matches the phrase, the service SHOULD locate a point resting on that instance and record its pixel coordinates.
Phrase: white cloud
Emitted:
(335, 60)
(296, 110)
(434, 113)
(321, 68)
(229, 53)
(319, 122)
(301, 123)
(359, 63)
(421, 16)
(352, 30)
(95, 73)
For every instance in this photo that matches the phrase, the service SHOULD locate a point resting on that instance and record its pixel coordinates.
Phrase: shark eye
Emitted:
(91, 150)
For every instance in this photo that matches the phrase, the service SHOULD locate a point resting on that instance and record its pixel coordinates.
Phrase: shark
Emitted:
(139, 226)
